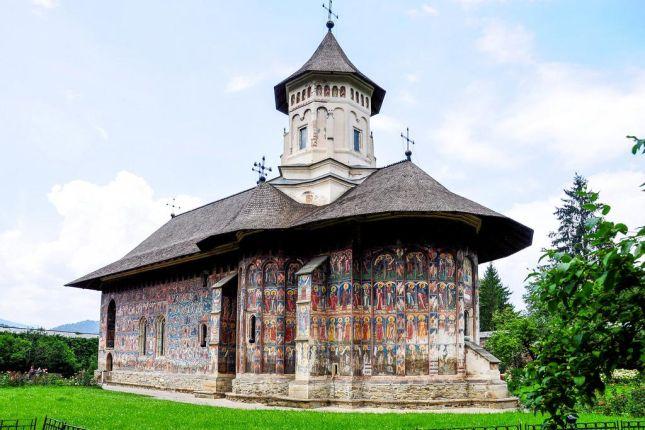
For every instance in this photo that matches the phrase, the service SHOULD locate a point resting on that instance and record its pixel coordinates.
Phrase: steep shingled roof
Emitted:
(404, 188)
(262, 207)
(329, 57)
(401, 188)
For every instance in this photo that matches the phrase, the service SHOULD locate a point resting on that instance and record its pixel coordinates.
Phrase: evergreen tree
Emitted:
(493, 296)
(573, 215)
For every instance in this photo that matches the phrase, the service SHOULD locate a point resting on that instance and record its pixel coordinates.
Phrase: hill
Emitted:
(86, 326)
(7, 323)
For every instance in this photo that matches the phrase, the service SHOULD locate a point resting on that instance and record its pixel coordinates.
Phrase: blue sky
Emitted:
(109, 109)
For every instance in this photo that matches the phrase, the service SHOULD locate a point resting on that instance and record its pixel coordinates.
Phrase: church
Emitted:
(336, 283)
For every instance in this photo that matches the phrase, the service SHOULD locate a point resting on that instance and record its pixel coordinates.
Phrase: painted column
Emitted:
(303, 316)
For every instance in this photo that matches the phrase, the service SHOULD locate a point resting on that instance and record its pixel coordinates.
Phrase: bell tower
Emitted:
(328, 147)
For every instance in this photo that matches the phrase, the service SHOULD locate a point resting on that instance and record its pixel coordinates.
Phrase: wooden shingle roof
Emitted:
(401, 189)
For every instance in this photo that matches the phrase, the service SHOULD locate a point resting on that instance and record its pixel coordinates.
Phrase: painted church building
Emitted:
(337, 282)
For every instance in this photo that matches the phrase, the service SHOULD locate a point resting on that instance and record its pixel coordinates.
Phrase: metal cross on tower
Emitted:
(261, 169)
(408, 141)
(173, 208)
(330, 13)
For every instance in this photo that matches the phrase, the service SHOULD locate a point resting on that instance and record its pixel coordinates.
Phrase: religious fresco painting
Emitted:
(184, 305)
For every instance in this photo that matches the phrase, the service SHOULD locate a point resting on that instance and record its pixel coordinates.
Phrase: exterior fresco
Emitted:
(270, 291)
(184, 304)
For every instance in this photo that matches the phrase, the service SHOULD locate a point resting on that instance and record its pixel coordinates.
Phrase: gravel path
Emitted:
(225, 403)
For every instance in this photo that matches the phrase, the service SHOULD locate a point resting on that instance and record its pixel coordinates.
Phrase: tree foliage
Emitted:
(513, 341)
(493, 296)
(18, 352)
(596, 316)
(573, 216)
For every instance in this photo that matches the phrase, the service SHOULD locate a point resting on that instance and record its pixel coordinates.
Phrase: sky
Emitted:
(108, 110)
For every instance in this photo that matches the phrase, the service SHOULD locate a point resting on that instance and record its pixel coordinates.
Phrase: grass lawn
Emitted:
(98, 409)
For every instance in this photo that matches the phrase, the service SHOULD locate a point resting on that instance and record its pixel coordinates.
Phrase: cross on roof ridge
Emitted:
(408, 141)
(261, 169)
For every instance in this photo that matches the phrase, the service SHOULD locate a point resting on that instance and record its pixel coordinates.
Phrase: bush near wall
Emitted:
(57, 354)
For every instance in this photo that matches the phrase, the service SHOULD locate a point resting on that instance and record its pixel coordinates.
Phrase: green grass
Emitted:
(95, 409)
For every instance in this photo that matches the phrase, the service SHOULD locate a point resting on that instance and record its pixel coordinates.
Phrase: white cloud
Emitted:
(102, 132)
(413, 78)
(242, 82)
(619, 189)
(506, 43)
(99, 224)
(568, 114)
(387, 124)
(424, 9)
(46, 4)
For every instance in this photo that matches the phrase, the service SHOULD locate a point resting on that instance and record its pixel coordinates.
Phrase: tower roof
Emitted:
(329, 57)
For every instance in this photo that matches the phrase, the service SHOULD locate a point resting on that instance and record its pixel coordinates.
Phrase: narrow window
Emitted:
(303, 138)
(319, 90)
(327, 90)
(252, 329)
(203, 334)
(108, 362)
(142, 336)
(293, 99)
(357, 140)
(342, 91)
(304, 92)
(334, 91)
(161, 336)
(111, 325)
(308, 92)
(367, 102)
(351, 93)
(298, 97)
(362, 100)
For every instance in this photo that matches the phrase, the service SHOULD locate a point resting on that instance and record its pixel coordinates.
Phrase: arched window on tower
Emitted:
(334, 91)
(327, 90)
(298, 97)
(367, 102)
(304, 92)
(351, 93)
(293, 99)
(308, 92)
(362, 100)
(161, 336)
(342, 91)
(142, 336)
(111, 325)
(319, 90)
(203, 335)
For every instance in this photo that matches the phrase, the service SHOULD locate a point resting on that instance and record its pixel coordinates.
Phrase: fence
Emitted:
(52, 424)
(18, 424)
(606, 425)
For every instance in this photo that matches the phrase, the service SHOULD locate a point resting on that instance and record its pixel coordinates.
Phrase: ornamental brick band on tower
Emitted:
(336, 282)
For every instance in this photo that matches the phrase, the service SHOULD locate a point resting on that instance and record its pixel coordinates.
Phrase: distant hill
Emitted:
(6, 323)
(86, 326)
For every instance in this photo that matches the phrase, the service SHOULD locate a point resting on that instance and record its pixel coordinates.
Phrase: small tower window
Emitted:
(298, 98)
(334, 91)
(304, 92)
(203, 334)
(302, 138)
(362, 100)
(326, 90)
(342, 91)
(367, 102)
(351, 93)
(319, 90)
(308, 92)
(357, 140)
(293, 99)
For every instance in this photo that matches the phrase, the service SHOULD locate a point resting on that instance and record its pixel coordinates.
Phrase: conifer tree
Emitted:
(493, 296)
(572, 216)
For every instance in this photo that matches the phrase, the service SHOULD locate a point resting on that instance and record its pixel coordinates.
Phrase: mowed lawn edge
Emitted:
(96, 409)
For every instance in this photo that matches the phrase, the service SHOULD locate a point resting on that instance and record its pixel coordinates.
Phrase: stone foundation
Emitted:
(162, 380)
(262, 385)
